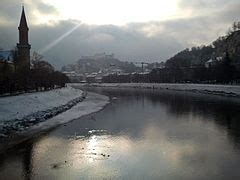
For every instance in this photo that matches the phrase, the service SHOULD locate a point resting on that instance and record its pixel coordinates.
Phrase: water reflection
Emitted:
(140, 135)
(224, 111)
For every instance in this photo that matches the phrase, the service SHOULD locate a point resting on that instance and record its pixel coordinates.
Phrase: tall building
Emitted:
(23, 61)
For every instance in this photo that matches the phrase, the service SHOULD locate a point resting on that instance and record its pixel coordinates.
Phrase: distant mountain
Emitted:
(99, 62)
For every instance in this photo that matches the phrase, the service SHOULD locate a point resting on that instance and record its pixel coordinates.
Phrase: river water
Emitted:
(141, 134)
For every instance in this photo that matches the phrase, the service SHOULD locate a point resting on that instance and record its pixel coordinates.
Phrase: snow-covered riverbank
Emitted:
(93, 103)
(224, 90)
(17, 107)
(22, 113)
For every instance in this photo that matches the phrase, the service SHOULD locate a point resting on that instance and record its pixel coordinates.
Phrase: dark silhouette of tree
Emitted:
(60, 79)
(228, 69)
(42, 75)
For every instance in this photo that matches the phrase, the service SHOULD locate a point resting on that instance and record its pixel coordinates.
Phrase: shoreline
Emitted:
(220, 90)
(91, 104)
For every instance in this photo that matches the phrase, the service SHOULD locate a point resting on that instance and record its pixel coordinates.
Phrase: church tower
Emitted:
(23, 61)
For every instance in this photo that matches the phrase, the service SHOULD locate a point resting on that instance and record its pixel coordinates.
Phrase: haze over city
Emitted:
(150, 31)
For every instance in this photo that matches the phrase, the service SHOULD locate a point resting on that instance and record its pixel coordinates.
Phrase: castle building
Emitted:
(23, 61)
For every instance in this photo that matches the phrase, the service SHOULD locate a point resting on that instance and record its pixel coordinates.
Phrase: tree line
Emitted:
(41, 76)
(223, 72)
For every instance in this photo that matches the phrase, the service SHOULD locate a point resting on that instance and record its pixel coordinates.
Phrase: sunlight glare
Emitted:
(58, 40)
(115, 12)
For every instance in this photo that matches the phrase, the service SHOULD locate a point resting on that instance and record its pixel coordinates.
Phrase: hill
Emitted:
(99, 62)
(198, 56)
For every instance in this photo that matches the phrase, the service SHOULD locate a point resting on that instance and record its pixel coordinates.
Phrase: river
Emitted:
(141, 134)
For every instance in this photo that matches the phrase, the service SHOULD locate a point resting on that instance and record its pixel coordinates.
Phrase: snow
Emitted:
(37, 111)
(93, 103)
(225, 90)
(17, 107)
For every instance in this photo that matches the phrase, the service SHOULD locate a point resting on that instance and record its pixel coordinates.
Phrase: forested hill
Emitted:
(197, 56)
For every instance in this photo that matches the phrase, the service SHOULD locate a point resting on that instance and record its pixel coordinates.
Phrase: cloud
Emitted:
(45, 8)
(148, 41)
(11, 10)
(127, 42)
(200, 5)
(101, 37)
(8, 11)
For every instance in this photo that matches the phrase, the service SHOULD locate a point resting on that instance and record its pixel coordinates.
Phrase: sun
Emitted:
(117, 12)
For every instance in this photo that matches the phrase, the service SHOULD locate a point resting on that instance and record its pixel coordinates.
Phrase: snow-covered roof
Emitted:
(123, 74)
(217, 59)
(91, 76)
(98, 77)
(144, 73)
(6, 56)
(209, 61)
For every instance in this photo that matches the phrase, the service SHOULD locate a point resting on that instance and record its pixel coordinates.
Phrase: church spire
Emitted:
(23, 21)
(23, 45)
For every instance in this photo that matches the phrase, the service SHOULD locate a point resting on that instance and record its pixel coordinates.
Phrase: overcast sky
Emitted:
(134, 30)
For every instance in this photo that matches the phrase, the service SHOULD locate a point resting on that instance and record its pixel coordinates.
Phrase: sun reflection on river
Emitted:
(98, 153)
(91, 147)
